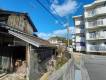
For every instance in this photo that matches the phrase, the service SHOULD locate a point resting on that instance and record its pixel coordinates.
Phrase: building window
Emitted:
(80, 44)
(105, 3)
(105, 43)
(82, 27)
(100, 22)
(82, 35)
(92, 34)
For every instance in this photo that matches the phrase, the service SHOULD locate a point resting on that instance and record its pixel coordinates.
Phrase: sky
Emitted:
(46, 25)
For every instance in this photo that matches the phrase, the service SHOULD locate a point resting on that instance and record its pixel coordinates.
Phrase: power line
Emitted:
(33, 6)
(48, 1)
(30, 4)
(56, 18)
(67, 26)
(49, 12)
(53, 8)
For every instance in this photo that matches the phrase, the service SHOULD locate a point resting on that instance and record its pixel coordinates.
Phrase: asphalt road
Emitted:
(96, 67)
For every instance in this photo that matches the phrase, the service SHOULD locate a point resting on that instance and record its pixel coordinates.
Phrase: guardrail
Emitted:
(66, 72)
(84, 72)
(97, 48)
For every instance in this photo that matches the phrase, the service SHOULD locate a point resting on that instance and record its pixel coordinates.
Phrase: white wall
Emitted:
(78, 30)
(78, 22)
(80, 48)
(94, 12)
(80, 39)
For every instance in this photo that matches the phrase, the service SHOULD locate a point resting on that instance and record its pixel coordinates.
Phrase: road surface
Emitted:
(96, 67)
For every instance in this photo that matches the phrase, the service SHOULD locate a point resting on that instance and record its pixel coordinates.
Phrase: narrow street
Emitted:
(96, 67)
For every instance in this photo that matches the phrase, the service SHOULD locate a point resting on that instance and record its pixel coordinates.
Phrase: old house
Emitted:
(20, 50)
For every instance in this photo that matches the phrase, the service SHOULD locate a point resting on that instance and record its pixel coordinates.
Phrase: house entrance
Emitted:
(11, 58)
(12, 52)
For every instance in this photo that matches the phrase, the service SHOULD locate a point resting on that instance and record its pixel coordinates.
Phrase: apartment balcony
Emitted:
(95, 12)
(96, 48)
(73, 43)
(73, 40)
(80, 39)
(100, 23)
(78, 30)
(78, 22)
(96, 36)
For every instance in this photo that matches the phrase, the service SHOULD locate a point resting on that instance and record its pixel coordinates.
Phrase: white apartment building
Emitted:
(95, 26)
(73, 41)
(79, 33)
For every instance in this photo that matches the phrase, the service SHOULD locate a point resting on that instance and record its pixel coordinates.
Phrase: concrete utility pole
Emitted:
(68, 31)
(68, 42)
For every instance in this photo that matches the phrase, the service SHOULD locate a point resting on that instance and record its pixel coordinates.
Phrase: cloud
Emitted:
(44, 35)
(68, 7)
(62, 33)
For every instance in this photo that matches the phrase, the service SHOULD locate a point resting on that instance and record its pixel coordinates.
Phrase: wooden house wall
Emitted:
(19, 22)
(45, 53)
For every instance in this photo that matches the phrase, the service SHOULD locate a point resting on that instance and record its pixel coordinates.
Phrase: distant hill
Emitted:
(64, 40)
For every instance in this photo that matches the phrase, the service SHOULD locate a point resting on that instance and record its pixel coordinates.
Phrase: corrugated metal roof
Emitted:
(35, 41)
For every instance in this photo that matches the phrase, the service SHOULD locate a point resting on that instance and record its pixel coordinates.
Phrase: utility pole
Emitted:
(68, 31)
(68, 42)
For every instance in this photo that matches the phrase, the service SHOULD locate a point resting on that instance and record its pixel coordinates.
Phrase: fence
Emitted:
(66, 72)
(84, 72)
(97, 48)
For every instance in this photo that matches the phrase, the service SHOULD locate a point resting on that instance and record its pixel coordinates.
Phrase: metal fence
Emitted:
(66, 72)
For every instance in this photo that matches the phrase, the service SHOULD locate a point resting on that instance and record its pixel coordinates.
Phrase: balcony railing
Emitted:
(97, 23)
(80, 48)
(80, 22)
(97, 48)
(80, 39)
(99, 35)
(94, 12)
(79, 31)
